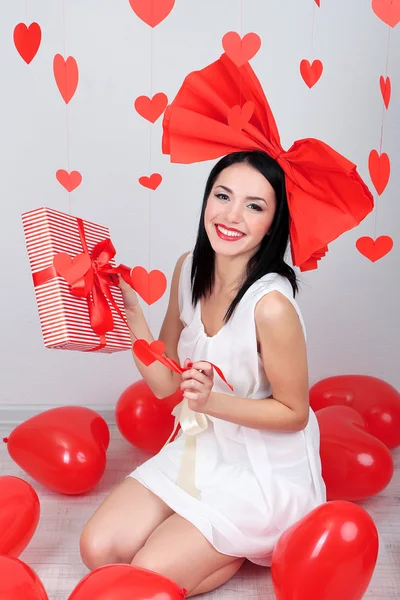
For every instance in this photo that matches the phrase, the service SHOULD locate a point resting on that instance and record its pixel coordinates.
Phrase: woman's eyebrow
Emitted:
(247, 197)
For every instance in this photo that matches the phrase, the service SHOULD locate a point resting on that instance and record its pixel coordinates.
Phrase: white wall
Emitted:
(351, 306)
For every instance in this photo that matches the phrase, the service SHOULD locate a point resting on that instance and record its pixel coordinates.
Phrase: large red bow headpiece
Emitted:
(326, 195)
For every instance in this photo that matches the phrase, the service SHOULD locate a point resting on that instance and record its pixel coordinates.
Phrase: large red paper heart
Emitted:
(379, 170)
(143, 419)
(311, 73)
(239, 50)
(386, 90)
(145, 351)
(152, 12)
(27, 40)
(62, 448)
(19, 515)
(239, 116)
(374, 249)
(151, 108)
(126, 582)
(377, 401)
(150, 286)
(66, 76)
(72, 269)
(69, 180)
(387, 10)
(330, 554)
(19, 582)
(151, 182)
(355, 464)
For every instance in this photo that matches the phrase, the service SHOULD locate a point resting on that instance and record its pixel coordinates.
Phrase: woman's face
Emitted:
(240, 210)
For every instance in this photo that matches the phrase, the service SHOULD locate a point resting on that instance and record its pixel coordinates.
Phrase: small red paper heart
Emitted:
(355, 464)
(239, 50)
(387, 10)
(386, 90)
(143, 351)
(151, 108)
(27, 40)
(379, 170)
(152, 12)
(151, 182)
(72, 269)
(239, 117)
(374, 249)
(318, 3)
(311, 73)
(69, 180)
(66, 76)
(150, 286)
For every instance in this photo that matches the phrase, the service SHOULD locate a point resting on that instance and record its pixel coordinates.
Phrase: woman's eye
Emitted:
(224, 196)
(256, 207)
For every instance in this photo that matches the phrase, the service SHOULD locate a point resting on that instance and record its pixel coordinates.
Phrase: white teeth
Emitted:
(229, 233)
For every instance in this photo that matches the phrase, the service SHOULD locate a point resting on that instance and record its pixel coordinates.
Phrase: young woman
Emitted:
(257, 467)
(245, 465)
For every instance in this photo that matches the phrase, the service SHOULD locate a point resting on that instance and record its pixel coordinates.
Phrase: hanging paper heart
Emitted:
(355, 464)
(239, 116)
(330, 554)
(311, 73)
(27, 40)
(374, 249)
(66, 76)
(145, 351)
(151, 108)
(72, 269)
(376, 400)
(379, 170)
(62, 448)
(386, 90)
(150, 286)
(18, 581)
(318, 3)
(19, 514)
(152, 12)
(151, 182)
(387, 10)
(69, 180)
(239, 50)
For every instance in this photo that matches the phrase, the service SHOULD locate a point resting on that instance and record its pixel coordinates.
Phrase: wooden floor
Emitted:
(53, 552)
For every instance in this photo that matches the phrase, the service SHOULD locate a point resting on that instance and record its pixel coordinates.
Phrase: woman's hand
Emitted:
(197, 384)
(129, 296)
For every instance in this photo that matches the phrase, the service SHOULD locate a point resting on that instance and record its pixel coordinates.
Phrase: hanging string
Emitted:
(66, 105)
(26, 12)
(313, 34)
(150, 173)
(240, 69)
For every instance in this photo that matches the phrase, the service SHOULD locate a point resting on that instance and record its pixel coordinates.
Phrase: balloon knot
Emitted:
(5, 440)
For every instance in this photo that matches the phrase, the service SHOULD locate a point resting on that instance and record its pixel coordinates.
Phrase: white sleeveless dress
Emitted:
(253, 484)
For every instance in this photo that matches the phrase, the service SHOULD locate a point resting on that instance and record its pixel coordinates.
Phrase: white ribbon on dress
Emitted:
(192, 423)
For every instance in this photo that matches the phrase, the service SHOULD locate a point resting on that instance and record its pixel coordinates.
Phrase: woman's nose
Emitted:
(234, 214)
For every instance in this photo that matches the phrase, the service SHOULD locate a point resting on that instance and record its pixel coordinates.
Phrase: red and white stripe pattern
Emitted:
(64, 318)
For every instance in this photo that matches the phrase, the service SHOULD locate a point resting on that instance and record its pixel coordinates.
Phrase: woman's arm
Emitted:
(162, 381)
(284, 355)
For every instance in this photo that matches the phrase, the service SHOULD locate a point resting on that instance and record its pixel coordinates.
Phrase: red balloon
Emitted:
(63, 448)
(18, 581)
(355, 464)
(330, 554)
(19, 514)
(144, 420)
(377, 402)
(125, 582)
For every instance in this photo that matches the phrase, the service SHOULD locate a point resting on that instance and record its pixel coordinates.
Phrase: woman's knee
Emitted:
(96, 549)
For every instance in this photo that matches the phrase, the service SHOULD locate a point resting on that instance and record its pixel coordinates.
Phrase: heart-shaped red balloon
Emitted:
(355, 464)
(330, 554)
(377, 401)
(19, 582)
(63, 448)
(19, 514)
(144, 420)
(125, 582)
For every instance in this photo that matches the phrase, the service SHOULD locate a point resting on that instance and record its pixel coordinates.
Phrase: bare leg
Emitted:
(179, 551)
(122, 524)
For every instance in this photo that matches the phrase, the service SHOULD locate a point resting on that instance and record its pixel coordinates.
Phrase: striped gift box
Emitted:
(64, 318)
